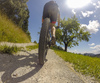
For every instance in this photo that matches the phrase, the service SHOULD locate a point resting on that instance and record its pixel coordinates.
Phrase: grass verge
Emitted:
(32, 47)
(9, 32)
(84, 64)
(9, 50)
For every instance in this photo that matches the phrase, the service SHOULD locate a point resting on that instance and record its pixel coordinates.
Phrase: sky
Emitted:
(87, 12)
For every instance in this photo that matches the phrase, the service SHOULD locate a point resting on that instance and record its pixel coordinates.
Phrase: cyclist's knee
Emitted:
(52, 28)
(52, 25)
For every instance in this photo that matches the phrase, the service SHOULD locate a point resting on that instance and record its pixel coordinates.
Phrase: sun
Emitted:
(77, 3)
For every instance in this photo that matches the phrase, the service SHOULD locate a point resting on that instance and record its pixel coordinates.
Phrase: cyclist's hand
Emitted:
(57, 27)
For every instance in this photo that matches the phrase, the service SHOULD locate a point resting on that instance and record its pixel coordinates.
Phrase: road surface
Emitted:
(23, 67)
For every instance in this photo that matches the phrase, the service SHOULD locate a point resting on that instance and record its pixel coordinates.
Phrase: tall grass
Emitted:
(9, 50)
(84, 64)
(32, 47)
(9, 32)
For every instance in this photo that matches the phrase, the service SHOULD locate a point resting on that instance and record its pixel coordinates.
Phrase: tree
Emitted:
(25, 22)
(17, 11)
(35, 42)
(71, 33)
(28, 34)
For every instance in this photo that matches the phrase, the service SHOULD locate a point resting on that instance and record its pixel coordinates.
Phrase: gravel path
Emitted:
(24, 68)
(17, 44)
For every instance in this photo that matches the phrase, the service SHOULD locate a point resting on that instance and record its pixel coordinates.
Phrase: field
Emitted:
(84, 64)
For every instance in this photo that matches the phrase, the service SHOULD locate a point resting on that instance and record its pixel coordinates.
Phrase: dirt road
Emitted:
(24, 68)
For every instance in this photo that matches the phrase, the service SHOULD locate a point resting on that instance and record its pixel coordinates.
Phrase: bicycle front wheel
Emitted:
(43, 41)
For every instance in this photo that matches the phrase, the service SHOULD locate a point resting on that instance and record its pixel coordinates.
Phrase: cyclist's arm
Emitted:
(58, 17)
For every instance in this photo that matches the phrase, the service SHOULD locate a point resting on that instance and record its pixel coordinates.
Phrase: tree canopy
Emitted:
(17, 11)
(71, 33)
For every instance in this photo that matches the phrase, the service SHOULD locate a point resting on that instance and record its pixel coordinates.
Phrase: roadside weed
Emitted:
(84, 64)
(9, 49)
(29, 48)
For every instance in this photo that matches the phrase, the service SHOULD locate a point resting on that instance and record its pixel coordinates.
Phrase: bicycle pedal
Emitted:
(47, 46)
(49, 43)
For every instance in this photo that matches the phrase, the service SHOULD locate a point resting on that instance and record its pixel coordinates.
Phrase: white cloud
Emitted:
(87, 13)
(97, 5)
(73, 11)
(84, 14)
(91, 44)
(94, 4)
(96, 49)
(92, 27)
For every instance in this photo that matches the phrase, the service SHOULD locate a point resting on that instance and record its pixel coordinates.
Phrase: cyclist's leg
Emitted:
(53, 29)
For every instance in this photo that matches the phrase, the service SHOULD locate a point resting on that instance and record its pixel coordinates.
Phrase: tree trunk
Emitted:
(66, 47)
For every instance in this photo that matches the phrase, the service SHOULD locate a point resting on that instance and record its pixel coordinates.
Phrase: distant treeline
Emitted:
(17, 11)
(92, 55)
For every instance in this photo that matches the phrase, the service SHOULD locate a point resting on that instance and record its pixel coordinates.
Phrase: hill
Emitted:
(9, 32)
(97, 55)
(85, 64)
(92, 55)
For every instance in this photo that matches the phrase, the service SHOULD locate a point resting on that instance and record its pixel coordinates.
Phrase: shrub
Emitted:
(9, 50)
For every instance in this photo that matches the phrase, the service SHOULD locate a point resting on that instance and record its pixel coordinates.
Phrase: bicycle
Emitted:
(44, 40)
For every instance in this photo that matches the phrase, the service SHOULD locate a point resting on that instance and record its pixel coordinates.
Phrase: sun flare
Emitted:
(77, 3)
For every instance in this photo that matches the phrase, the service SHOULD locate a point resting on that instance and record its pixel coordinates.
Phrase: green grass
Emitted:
(9, 32)
(84, 64)
(9, 50)
(15, 49)
(32, 47)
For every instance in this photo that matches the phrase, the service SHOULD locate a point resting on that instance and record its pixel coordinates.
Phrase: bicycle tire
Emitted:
(43, 40)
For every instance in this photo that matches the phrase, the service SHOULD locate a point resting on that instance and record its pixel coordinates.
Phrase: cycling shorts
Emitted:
(50, 11)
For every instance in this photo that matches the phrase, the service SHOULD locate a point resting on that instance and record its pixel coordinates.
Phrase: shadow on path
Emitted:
(10, 63)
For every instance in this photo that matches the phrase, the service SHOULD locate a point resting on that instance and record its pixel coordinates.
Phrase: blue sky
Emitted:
(88, 15)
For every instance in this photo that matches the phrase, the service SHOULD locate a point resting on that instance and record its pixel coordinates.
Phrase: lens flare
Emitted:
(77, 3)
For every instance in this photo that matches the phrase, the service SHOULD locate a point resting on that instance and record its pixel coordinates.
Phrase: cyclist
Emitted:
(51, 10)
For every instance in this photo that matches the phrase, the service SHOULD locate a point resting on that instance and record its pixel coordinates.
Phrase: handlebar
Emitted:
(57, 27)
